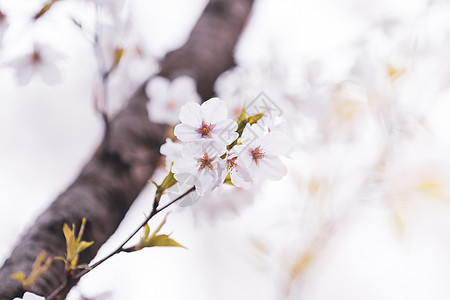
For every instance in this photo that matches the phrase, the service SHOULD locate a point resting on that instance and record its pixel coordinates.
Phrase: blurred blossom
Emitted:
(42, 60)
(227, 203)
(167, 97)
(114, 7)
(417, 174)
(172, 152)
(3, 25)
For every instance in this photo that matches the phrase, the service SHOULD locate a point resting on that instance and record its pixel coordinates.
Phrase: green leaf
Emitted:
(118, 54)
(162, 240)
(253, 119)
(242, 116)
(83, 246)
(60, 258)
(146, 231)
(67, 234)
(168, 182)
(18, 276)
(242, 122)
(160, 225)
(40, 266)
(155, 240)
(74, 246)
(228, 179)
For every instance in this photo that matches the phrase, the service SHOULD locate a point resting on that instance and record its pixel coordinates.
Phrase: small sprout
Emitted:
(168, 182)
(40, 266)
(242, 121)
(74, 247)
(253, 119)
(155, 240)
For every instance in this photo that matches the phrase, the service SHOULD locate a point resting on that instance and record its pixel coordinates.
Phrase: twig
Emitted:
(119, 249)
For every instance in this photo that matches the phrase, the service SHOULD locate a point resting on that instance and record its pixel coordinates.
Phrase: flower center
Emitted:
(206, 161)
(36, 57)
(206, 128)
(231, 164)
(257, 154)
(171, 104)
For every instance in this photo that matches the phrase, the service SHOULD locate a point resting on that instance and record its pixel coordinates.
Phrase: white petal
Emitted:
(24, 74)
(184, 85)
(190, 114)
(276, 143)
(184, 166)
(251, 136)
(272, 168)
(186, 133)
(205, 181)
(31, 296)
(214, 110)
(240, 179)
(244, 158)
(157, 88)
(225, 131)
(160, 113)
(49, 73)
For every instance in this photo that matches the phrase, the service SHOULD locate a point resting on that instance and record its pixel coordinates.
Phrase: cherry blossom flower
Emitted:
(226, 203)
(208, 122)
(202, 162)
(40, 61)
(171, 151)
(167, 98)
(259, 153)
(3, 24)
(115, 7)
(30, 296)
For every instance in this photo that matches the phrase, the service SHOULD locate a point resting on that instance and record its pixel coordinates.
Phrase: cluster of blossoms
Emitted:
(212, 149)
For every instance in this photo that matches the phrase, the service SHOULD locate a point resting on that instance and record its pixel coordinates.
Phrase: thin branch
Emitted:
(119, 249)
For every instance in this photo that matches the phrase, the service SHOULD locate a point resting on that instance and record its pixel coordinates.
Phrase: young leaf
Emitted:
(74, 245)
(242, 122)
(162, 240)
(155, 240)
(18, 276)
(168, 182)
(40, 266)
(253, 119)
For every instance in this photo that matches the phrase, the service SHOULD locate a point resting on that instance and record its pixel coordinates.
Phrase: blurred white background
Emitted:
(363, 212)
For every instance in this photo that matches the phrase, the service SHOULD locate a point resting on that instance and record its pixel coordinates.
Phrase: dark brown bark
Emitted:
(113, 178)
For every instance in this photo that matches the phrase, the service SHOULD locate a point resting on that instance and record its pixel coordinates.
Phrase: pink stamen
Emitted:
(206, 129)
(231, 163)
(257, 154)
(206, 161)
